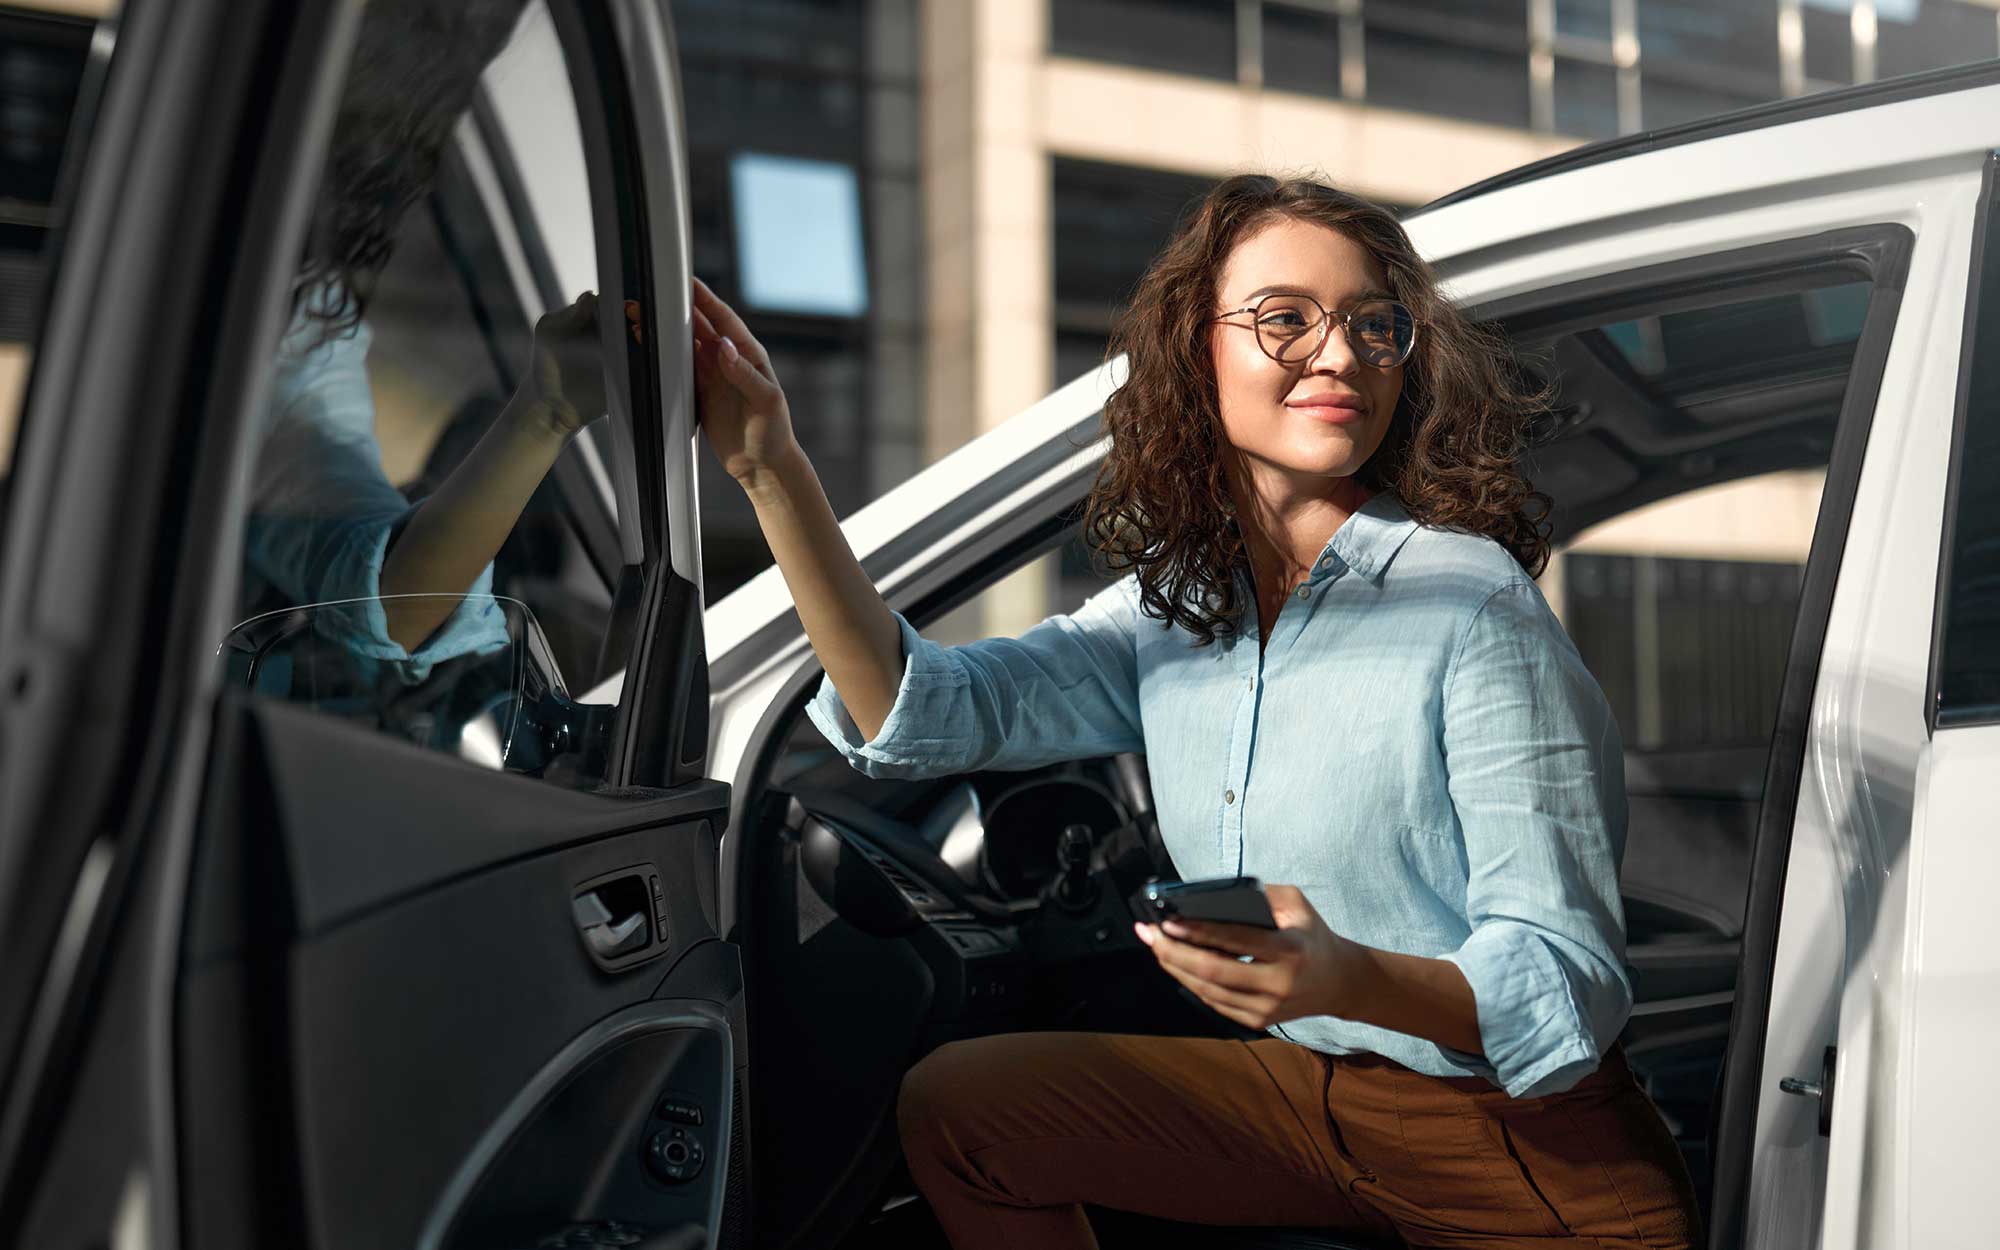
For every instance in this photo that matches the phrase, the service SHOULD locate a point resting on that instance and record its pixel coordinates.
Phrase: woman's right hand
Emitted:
(742, 407)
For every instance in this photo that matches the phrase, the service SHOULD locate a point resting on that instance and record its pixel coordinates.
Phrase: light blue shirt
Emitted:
(322, 510)
(1418, 748)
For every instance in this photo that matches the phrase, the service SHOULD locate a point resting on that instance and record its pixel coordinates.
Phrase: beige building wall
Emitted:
(998, 108)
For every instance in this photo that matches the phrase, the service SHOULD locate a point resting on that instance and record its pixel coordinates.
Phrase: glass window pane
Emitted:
(1301, 51)
(1110, 221)
(1686, 352)
(1586, 99)
(1725, 38)
(1720, 418)
(1590, 19)
(1911, 36)
(1434, 75)
(1829, 34)
(826, 35)
(1508, 16)
(1179, 36)
(431, 547)
(798, 235)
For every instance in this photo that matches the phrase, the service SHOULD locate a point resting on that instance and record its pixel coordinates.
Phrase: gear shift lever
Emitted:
(1075, 890)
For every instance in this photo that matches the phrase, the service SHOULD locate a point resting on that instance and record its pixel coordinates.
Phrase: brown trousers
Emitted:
(1008, 1136)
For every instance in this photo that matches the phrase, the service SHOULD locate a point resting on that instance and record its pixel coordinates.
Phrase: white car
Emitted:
(292, 961)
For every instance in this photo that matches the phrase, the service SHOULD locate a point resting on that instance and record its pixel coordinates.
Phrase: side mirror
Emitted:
(495, 698)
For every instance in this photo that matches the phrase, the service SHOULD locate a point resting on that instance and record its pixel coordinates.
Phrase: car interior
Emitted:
(917, 912)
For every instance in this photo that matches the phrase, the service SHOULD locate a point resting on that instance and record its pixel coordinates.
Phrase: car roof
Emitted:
(1758, 117)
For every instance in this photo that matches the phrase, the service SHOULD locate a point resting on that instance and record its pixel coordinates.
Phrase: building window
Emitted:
(1301, 50)
(1110, 221)
(1586, 99)
(1195, 37)
(798, 235)
(1828, 26)
(1450, 57)
(1584, 19)
(1915, 35)
(804, 149)
(1728, 42)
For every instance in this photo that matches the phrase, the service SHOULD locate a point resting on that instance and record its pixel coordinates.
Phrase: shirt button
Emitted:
(1229, 796)
(1302, 592)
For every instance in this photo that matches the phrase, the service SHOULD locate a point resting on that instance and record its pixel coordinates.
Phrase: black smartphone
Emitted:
(1226, 900)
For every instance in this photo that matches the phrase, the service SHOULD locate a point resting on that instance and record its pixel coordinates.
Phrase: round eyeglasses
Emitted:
(1290, 328)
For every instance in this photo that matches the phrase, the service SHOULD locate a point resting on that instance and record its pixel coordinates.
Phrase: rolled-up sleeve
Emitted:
(1067, 688)
(1537, 781)
(323, 511)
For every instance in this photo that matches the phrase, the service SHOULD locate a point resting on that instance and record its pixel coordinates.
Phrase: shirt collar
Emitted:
(1367, 541)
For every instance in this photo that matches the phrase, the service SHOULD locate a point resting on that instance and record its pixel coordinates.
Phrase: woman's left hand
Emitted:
(1300, 969)
(565, 381)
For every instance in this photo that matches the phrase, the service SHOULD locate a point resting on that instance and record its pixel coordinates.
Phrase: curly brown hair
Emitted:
(1161, 502)
(414, 73)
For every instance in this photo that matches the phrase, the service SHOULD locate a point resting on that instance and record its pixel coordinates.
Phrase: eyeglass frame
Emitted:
(1326, 316)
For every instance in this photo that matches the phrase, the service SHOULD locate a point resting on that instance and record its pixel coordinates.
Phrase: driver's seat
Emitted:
(1121, 1230)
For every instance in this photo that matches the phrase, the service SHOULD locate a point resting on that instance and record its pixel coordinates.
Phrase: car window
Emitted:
(1687, 482)
(1684, 608)
(431, 546)
(42, 59)
(1967, 668)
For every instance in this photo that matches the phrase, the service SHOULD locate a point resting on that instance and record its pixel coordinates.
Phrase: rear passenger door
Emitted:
(1953, 968)
(1757, 341)
(385, 914)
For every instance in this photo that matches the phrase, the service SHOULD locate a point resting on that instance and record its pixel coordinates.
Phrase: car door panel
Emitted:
(398, 930)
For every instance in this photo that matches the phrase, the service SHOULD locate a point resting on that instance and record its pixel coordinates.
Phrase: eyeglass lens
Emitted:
(1291, 328)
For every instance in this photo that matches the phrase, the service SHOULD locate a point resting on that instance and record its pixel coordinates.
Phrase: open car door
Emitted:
(342, 909)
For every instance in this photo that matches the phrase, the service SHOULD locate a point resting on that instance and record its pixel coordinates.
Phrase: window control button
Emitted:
(681, 1112)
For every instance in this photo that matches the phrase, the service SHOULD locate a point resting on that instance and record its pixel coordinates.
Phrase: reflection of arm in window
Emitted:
(322, 511)
(450, 539)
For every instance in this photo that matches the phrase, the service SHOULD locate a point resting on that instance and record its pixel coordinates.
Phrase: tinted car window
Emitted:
(432, 546)
(1714, 419)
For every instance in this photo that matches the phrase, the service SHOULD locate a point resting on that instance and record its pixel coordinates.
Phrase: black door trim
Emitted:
(614, 1030)
(1982, 298)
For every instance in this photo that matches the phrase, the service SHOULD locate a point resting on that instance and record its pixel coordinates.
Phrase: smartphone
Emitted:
(1226, 900)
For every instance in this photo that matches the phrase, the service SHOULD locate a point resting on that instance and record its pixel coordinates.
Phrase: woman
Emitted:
(1332, 652)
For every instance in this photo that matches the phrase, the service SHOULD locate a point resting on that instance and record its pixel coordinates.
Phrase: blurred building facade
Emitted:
(931, 210)
(1059, 141)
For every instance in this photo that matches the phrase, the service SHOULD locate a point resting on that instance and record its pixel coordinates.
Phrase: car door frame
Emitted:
(153, 351)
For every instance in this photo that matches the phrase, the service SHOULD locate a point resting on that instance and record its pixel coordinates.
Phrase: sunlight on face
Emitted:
(1300, 426)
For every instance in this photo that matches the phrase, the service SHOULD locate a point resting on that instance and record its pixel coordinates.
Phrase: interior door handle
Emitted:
(608, 937)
